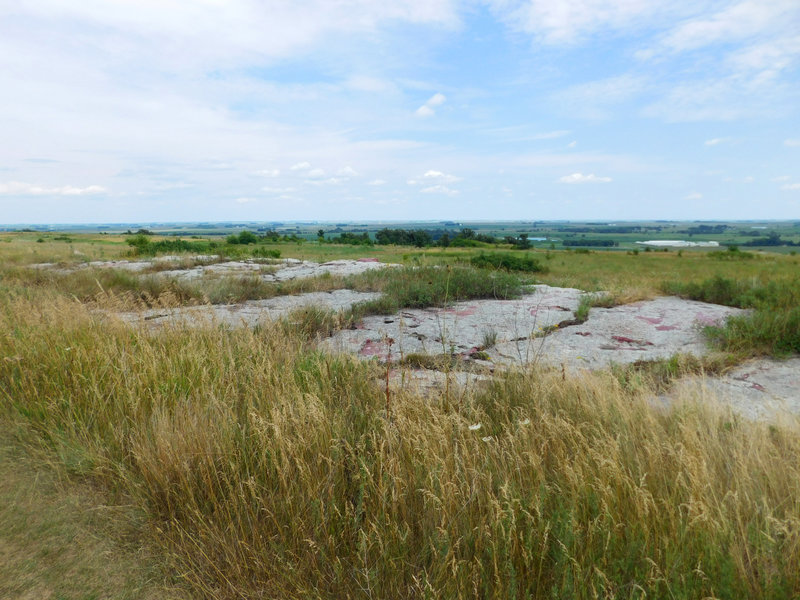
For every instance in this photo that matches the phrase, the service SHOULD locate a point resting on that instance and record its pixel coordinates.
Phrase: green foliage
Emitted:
(584, 305)
(402, 237)
(507, 261)
(732, 253)
(243, 237)
(589, 242)
(141, 245)
(773, 326)
(421, 287)
(352, 239)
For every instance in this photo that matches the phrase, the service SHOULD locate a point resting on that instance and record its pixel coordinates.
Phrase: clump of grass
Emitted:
(732, 253)
(422, 287)
(230, 289)
(313, 322)
(268, 469)
(584, 305)
(765, 331)
(434, 362)
(717, 290)
(489, 339)
(507, 261)
(659, 375)
(772, 327)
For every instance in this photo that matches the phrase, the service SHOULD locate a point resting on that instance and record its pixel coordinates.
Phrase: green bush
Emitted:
(243, 238)
(507, 261)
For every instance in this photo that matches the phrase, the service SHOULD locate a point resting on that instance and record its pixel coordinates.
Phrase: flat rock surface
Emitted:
(646, 330)
(268, 269)
(758, 389)
(248, 313)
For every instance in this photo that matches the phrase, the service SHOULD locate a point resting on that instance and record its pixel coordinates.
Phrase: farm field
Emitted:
(259, 465)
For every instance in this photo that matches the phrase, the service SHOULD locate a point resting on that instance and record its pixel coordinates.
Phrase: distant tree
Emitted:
(244, 237)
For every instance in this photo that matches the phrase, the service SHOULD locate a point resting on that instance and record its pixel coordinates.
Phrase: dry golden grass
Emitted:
(269, 470)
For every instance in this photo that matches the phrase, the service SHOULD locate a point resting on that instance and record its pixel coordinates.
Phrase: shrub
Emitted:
(507, 261)
(243, 238)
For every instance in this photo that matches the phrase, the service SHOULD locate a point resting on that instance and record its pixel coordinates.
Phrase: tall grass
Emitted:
(269, 470)
(508, 261)
(421, 287)
(772, 327)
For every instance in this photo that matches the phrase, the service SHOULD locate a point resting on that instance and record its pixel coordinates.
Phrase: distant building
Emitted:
(678, 244)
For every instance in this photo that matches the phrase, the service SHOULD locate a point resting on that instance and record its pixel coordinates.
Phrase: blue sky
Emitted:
(169, 110)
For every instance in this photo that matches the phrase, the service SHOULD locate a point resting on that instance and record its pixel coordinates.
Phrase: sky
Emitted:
(351, 110)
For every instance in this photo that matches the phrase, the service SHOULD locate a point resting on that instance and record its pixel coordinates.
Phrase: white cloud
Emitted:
(328, 181)
(268, 172)
(722, 99)
(432, 176)
(439, 176)
(735, 22)
(716, 141)
(581, 178)
(19, 188)
(436, 100)
(791, 186)
(694, 196)
(439, 189)
(377, 182)
(316, 173)
(364, 83)
(278, 190)
(347, 172)
(245, 200)
(566, 22)
(792, 143)
(572, 144)
(550, 135)
(594, 99)
(211, 33)
(781, 178)
(301, 166)
(426, 110)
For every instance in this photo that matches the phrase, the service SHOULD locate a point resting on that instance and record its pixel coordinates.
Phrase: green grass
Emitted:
(772, 327)
(62, 538)
(421, 287)
(509, 262)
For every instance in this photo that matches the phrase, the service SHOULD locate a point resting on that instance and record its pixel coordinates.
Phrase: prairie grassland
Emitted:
(60, 538)
(267, 469)
(591, 271)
